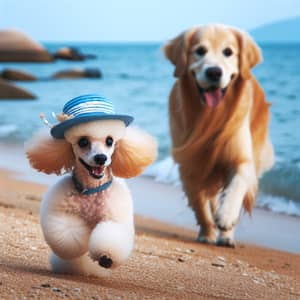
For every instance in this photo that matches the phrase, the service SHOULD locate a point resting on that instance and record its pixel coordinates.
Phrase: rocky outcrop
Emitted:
(16, 75)
(11, 91)
(15, 46)
(71, 53)
(78, 73)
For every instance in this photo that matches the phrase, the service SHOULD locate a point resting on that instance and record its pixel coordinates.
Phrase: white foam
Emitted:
(279, 204)
(280, 191)
(282, 181)
(7, 129)
(165, 171)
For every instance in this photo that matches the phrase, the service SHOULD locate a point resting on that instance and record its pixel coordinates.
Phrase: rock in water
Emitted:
(71, 53)
(11, 91)
(11, 74)
(92, 73)
(78, 73)
(17, 47)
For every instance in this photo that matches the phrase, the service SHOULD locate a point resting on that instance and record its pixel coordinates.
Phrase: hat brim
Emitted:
(58, 131)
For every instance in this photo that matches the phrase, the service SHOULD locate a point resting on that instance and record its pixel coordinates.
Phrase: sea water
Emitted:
(138, 79)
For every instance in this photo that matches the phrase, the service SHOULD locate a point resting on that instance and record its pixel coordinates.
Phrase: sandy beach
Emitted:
(166, 263)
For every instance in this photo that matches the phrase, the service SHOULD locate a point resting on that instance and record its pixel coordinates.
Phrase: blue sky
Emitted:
(135, 20)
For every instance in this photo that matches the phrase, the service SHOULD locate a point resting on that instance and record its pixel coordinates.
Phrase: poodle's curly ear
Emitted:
(177, 49)
(133, 153)
(249, 53)
(49, 155)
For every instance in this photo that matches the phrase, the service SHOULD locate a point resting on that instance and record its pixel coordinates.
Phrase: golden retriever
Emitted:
(219, 125)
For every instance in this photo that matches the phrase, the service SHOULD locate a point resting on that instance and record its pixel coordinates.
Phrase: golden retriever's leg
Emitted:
(231, 202)
(243, 182)
(202, 207)
(214, 206)
(203, 212)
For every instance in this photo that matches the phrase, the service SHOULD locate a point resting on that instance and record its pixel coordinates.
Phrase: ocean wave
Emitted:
(7, 129)
(165, 171)
(278, 204)
(282, 181)
(280, 188)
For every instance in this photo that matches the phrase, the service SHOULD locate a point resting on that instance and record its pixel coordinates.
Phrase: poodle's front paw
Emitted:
(105, 262)
(111, 244)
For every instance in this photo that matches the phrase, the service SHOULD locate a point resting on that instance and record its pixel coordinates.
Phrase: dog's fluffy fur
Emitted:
(221, 151)
(82, 229)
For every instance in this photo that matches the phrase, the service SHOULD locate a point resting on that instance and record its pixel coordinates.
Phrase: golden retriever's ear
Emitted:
(249, 53)
(49, 155)
(177, 49)
(133, 153)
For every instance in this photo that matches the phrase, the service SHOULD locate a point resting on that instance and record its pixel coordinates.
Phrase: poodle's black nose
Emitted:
(105, 262)
(213, 73)
(100, 159)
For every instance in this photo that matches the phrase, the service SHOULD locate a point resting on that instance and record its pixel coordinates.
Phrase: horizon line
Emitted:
(150, 42)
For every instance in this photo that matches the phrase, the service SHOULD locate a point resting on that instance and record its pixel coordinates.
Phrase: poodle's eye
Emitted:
(109, 141)
(83, 142)
(201, 51)
(227, 52)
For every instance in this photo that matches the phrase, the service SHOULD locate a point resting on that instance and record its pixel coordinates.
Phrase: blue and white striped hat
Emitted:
(87, 108)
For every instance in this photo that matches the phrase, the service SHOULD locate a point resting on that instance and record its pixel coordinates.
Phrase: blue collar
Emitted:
(90, 191)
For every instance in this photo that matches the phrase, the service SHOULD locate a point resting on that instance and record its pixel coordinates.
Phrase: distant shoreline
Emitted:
(150, 43)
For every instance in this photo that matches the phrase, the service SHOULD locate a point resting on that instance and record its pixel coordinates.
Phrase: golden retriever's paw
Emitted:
(226, 217)
(206, 239)
(225, 242)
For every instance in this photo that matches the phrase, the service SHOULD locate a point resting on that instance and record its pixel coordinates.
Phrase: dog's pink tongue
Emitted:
(213, 98)
(97, 170)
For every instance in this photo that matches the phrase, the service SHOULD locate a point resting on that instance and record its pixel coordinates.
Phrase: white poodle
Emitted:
(87, 216)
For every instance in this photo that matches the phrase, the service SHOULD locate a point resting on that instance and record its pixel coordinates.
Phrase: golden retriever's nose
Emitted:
(100, 159)
(213, 73)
